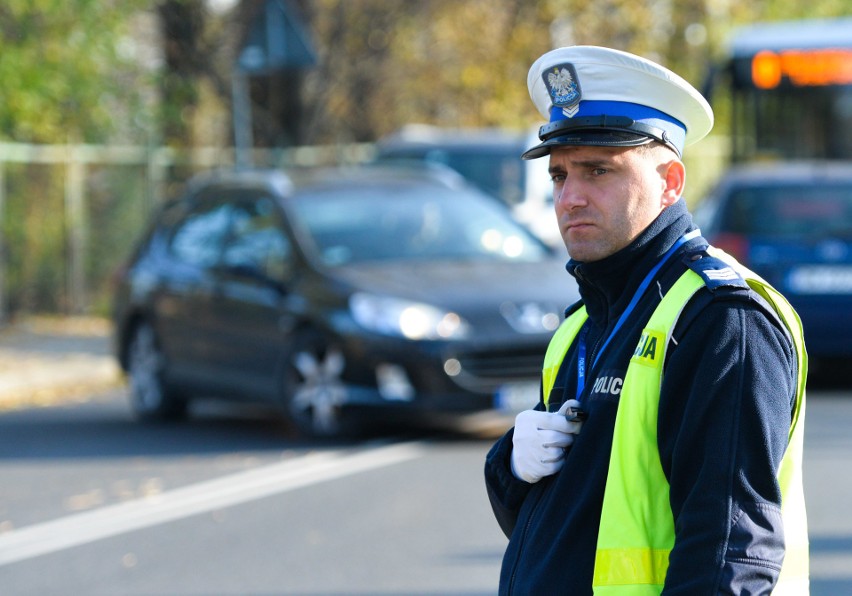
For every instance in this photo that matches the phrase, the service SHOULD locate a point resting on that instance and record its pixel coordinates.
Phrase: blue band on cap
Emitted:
(674, 128)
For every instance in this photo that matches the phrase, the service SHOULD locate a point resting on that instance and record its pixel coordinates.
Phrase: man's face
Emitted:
(606, 196)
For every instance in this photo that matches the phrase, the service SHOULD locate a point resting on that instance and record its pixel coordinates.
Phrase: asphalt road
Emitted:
(230, 504)
(93, 503)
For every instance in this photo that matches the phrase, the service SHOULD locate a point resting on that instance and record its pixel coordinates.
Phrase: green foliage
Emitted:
(61, 71)
(70, 70)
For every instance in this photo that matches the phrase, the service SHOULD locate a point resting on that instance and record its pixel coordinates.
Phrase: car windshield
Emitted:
(791, 211)
(500, 174)
(373, 223)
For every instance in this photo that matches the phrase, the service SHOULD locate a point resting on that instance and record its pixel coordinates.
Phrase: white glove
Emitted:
(540, 441)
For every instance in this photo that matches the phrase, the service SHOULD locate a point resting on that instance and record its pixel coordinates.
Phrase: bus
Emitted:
(791, 90)
(784, 206)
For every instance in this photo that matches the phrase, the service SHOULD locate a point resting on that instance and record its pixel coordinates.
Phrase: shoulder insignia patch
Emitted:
(715, 272)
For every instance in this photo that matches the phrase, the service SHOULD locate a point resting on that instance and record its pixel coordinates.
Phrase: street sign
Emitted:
(277, 40)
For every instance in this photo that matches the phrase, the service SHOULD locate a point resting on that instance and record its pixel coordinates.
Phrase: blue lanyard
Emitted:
(581, 348)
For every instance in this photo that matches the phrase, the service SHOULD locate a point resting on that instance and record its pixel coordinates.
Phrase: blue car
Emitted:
(792, 224)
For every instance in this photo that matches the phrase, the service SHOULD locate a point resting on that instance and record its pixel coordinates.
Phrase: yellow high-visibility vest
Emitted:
(636, 532)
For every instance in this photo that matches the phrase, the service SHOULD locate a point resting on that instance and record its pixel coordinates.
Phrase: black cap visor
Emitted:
(599, 138)
(601, 131)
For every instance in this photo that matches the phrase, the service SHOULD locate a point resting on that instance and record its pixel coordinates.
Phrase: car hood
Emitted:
(476, 290)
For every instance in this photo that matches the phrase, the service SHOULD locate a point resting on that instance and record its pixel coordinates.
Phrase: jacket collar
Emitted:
(606, 286)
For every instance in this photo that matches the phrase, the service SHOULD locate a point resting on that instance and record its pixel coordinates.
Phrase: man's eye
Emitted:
(599, 171)
(556, 178)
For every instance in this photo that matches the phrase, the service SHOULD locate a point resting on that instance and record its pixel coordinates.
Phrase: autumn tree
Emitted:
(69, 70)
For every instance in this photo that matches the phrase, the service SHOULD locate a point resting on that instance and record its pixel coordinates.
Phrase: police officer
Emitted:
(665, 453)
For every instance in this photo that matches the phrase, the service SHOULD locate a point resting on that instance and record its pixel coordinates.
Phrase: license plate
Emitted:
(512, 398)
(821, 279)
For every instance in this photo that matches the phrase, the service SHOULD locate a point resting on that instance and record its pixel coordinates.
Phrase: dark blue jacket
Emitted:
(725, 411)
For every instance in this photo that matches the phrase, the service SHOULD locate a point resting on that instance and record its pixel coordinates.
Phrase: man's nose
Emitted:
(568, 196)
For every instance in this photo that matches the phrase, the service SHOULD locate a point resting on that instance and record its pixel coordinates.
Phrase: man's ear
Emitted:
(674, 180)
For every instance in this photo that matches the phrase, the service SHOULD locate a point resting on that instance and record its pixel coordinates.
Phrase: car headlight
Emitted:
(404, 318)
(531, 317)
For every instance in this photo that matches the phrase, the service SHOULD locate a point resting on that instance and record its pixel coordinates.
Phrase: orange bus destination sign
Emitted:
(802, 68)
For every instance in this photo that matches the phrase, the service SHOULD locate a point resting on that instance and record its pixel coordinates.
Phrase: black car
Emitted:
(791, 222)
(342, 295)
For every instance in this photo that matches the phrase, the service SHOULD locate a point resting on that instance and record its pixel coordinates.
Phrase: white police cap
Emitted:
(599, 96)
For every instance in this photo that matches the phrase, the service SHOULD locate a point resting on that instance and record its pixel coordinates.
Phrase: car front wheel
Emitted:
(150, 399)
(314, 392)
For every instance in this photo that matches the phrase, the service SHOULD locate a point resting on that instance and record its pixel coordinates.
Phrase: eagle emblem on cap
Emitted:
(564, 88)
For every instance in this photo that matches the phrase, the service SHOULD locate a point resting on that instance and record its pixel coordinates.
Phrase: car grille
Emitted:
(484, 372)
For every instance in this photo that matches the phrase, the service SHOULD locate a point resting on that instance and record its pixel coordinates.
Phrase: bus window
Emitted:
(791, 90)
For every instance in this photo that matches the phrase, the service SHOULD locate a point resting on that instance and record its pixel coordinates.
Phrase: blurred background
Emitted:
(107, 107)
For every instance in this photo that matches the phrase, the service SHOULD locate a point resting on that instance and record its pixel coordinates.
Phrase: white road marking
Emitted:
(81, 528)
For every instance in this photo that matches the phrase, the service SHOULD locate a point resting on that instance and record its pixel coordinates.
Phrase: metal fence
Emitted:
(70, 214)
